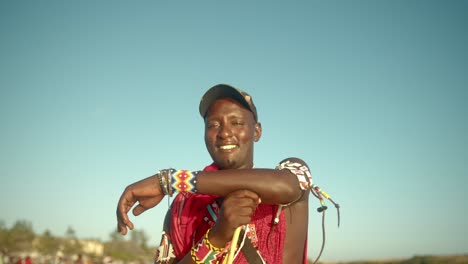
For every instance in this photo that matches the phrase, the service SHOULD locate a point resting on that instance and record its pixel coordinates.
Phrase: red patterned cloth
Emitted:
(189, 223)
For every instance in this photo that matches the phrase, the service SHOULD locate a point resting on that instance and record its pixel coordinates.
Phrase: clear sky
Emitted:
(95, 95)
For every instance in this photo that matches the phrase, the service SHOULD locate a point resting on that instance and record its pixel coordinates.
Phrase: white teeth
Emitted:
(226, 147)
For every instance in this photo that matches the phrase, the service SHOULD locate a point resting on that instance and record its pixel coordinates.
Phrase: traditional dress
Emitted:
(191, 215)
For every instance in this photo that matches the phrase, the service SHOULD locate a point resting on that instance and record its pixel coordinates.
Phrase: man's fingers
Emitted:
(248, 210)
(139, 209)
(122, 226)
(122, 229)
(122, 218)
(246, 194)
(243, 199)
(123, 222)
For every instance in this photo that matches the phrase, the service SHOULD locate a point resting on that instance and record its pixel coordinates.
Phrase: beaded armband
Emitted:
(205, 252)
(300, 170)
(182, 181)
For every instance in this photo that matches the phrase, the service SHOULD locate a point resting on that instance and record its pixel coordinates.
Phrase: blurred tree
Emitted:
(3, 236)
(140, 238)
(123, 250)
(48, 244)
(71, 245)
(20, 236)
(70, 233)
(135, 249)
(116, 236)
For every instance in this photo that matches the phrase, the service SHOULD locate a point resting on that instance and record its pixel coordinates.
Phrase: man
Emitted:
(271, 205)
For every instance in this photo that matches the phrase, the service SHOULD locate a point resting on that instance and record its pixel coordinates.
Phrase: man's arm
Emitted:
(297, 213)
(297, 216)
(145, 194)
(273, 187)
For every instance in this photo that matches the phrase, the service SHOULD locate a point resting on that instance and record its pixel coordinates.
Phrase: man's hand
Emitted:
(146, 192)
(237, 210)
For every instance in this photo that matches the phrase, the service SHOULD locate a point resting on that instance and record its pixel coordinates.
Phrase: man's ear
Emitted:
(257, 131)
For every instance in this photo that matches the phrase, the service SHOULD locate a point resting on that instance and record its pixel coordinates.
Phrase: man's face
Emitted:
(230, 133)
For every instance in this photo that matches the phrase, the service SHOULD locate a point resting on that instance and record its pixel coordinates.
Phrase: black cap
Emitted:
(225, 90)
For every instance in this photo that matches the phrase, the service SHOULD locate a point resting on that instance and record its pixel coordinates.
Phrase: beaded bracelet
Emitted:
(171, 180)
(205, 252)
(183, 180)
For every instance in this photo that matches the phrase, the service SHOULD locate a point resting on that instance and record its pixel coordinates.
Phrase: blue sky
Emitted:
(95, 95)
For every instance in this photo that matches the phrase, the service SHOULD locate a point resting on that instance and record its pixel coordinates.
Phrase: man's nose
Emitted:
(225, 131)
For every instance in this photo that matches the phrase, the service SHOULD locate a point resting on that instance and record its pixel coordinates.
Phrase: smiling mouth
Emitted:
(227, 147)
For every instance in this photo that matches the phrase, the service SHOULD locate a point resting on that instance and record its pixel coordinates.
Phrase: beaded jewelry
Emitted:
(162, 180)
(205, 252)
(183, 180)
(171, 180)
(306, 183)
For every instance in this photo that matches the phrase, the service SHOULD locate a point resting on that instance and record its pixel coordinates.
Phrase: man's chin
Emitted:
(226, 164)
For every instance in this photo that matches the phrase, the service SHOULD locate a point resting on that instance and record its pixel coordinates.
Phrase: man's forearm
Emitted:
(273, 186)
